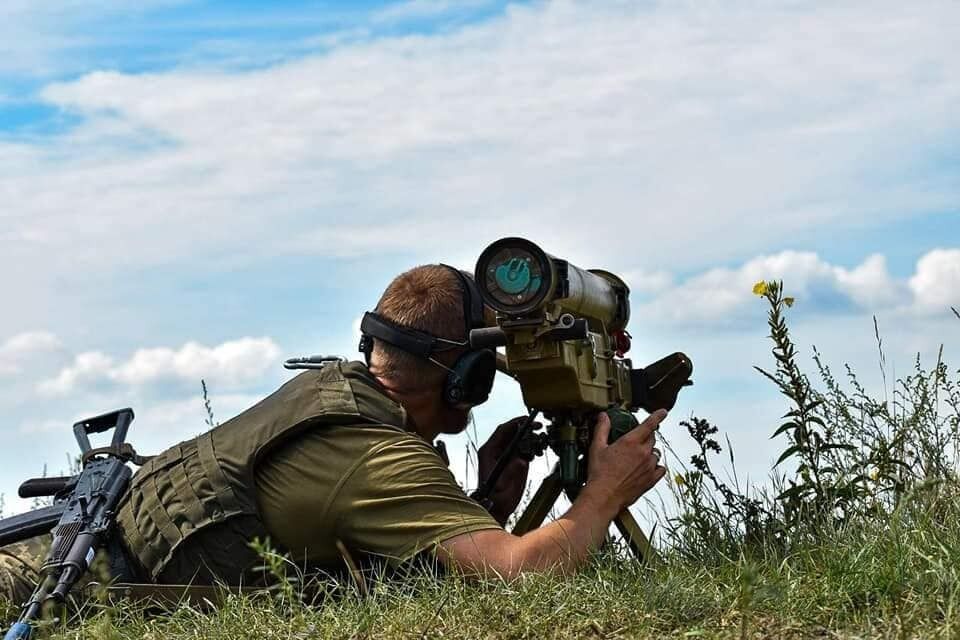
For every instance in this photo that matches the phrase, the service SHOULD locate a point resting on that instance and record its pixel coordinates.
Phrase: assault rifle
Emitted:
(81, 516)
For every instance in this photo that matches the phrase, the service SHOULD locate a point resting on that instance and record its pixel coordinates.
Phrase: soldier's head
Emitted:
(430, 299)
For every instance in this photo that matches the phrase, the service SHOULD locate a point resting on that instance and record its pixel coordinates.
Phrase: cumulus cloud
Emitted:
(17, 350)
(231, 363)
(181, 416)
(717, 295)
(87, 367)
(667, 123)
(870, 285)
(647, 282)
(936, 284)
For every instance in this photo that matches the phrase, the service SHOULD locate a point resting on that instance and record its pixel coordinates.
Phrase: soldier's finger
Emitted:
(658, 473)
(601, 432)
(646, 448)
(646, 464)
(647, 427)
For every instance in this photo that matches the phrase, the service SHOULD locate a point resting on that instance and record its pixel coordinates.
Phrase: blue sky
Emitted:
(200, 189)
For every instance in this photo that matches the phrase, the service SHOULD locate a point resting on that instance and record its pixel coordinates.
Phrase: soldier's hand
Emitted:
(509, 489)
(623, 471)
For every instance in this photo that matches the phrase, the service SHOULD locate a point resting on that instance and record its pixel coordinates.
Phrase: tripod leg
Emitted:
(630, 530)
(543, 500)
(546, 496)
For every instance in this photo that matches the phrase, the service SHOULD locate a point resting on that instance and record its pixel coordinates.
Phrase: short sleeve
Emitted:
(401, 499)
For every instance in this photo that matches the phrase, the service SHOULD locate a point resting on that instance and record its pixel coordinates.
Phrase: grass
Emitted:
(894, 580)
(859, 537)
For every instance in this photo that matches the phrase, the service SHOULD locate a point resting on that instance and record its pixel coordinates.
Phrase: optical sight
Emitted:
(517, 279)
(563, 330)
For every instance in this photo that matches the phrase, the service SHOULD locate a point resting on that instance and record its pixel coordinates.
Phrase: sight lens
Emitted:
(511, 275)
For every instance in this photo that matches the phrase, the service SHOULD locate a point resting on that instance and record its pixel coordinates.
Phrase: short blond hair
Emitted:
(429, 298)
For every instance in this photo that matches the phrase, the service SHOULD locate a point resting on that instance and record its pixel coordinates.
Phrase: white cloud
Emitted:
(229, 364)
(420, 9)
(712, 296)
(717, 295)
(870, 285)
(16, 351)
(936, 284)
(647, 282)
(185, 416)
(87, 367)
(708, 118)
(29, 341)
(36, 38)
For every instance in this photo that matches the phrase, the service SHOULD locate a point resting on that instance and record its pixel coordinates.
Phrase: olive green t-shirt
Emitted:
(378, 489)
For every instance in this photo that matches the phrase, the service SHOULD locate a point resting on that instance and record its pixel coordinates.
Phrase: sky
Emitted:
(199, 189)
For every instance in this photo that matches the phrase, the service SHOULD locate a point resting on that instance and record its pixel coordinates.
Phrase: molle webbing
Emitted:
(177, 494)
(201, 483)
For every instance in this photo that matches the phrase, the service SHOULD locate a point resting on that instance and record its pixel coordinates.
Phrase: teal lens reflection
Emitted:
(513, 277)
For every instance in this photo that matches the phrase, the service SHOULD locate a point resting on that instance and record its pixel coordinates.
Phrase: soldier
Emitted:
(339, 460)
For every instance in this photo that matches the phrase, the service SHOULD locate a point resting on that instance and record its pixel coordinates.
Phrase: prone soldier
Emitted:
(339, 460)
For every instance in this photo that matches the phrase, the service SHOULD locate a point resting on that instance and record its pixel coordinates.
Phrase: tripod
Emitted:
(546, 497)
(566, 437)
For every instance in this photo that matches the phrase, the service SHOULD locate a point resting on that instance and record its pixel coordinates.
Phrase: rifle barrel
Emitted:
(41, 487)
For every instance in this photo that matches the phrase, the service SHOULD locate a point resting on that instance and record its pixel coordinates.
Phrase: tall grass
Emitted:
(848, 459)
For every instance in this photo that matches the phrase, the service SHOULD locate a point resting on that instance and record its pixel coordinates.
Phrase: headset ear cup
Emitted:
(471, 379)
(453, 389)
(366, 347)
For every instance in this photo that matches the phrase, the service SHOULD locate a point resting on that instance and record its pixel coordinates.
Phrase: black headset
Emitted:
(470, 378)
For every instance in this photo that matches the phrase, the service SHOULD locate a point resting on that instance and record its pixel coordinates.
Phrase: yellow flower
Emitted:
(874, 474)
(679, 479)
(788, 301)
(760, 289)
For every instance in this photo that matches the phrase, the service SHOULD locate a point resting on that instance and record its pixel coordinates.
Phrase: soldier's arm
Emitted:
(619, 474)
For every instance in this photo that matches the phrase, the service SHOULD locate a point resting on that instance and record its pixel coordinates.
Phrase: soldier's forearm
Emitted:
(561, 546)
(566, 543)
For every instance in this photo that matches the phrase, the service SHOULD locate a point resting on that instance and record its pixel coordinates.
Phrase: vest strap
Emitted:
(225, 495)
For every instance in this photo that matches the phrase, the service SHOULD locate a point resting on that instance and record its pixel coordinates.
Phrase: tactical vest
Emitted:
(199, 484)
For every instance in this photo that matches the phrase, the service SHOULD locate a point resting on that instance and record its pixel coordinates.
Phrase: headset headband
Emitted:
(417, 342)
(472, 301)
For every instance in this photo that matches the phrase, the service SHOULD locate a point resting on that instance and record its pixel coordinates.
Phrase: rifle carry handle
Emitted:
(118, 420)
